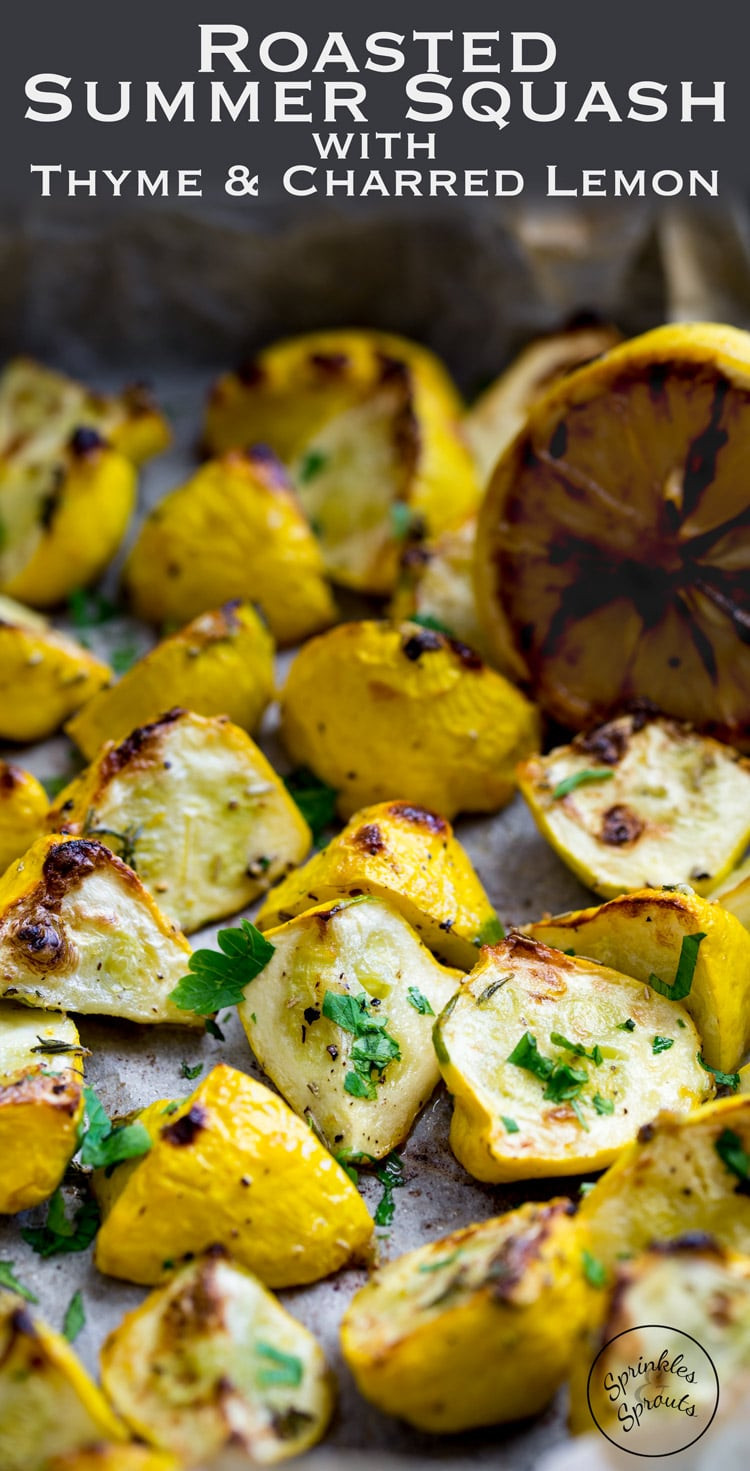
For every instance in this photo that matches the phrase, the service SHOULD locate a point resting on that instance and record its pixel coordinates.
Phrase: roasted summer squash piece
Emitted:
(48, 1404)
(697, 1287)
(235, 530)
(23, 812)
(341, 1021)
(435, 585)
(109, 1457)
(477, 1329)
(220, 664)
(381, 710)
(367, 423)
(554, 1062)
(680, 1175)
(408, 857)
(642, 801)
(193, 805)
(78, 930)
(40, 409)
(734, 893)
(677, 939)
(44, 675)
(212, 1361)
(41, 1104)
(231, 1166)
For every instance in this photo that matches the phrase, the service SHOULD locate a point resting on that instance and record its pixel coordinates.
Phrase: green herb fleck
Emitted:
(686, 964)
(661, 1044)
(427, 620)
(420, 1003)
(54, 1045)
(441, 1051)
(594, 1271)
(59, 1233)
(491, 931)
(603, 1105)
(105, 1144)
(510, 1125)
(730, 1150)
(373, 1047)
(124, 658)
(586, 1187)
(213, 1030)
(219, 977)
(315, 799)
(526, 1055)
(580, 779)
(443, 1261)
(628, 1026)
(402, 520)
(75, 1318)
(283, 1369)
(9, 1279)
(723, 1080)
(564, 1083)
(191, 1073)
(86, 609)
(391, 1176)
(489, 991)
(595, 1053)
(311, 465)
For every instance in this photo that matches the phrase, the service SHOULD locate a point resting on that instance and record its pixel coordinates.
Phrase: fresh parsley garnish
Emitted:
(315, 799)
(661, 1044)
(402, 520)
(510, 1125)
(9, 1279)
(283, 1369)
(419, 1001)
(491, 932)
(373, 1047)
(682, 983)
(428, 620)
(213, 1030)
(563, 1083)
(628, 1026)
(75, 1318)
(526, 1055)
(86, 609)
(723, 1080)
(311, 465)
(603, 1105)
(219, 977)
(391, 1176)
(61, 1234)
(191, 1073)
(731, 1152)
(124, 658)
(594, 1271)
(594, 1054)
(105, 1143)
(581, 779)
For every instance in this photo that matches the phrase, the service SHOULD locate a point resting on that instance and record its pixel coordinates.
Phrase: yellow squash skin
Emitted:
(23, 812)
(495, 418)
(291, 389)
(48, 1404)
(41, 1106)
(734, 893)
(220, 664)
(521, 988)
(212, 1363)
(44, 675)
(671, 806)
(104, 1457)
(692, 1285)
(367, 424)
(672, 1180)
(236, 530)
(477, 1329)
(408, 857)
(360, 948)
(78, 930)
(40, 409)
(193, 805)
(382, 710)
(64, 518)
(231, 1166)
(641, 934)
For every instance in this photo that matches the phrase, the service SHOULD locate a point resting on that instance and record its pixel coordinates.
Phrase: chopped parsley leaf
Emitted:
(491, 931)
(628, 1026)
(595, 1054)
(59, 1233)
(75, 1318)
(105, 1144)
(443, 1261)
(526, 1055)
(419, 1001)
(723, 1080)
(731, 1152)
(580, 779)
(391, 1176)
(218, 977)
(603, 1105)
(594, 1271)
(510, 1125)
(373, 1047)
(427, 620)
(9, 1279)
(283, 1369)
(191, 1072)
(311, 465)
(661, 1044)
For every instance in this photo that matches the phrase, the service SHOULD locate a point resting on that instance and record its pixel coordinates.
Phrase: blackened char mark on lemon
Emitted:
(700, 466)
(701, 642)
(729, 604)
(559, 441)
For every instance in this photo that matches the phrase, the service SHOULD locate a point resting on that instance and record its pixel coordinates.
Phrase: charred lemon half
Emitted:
(614, 541)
